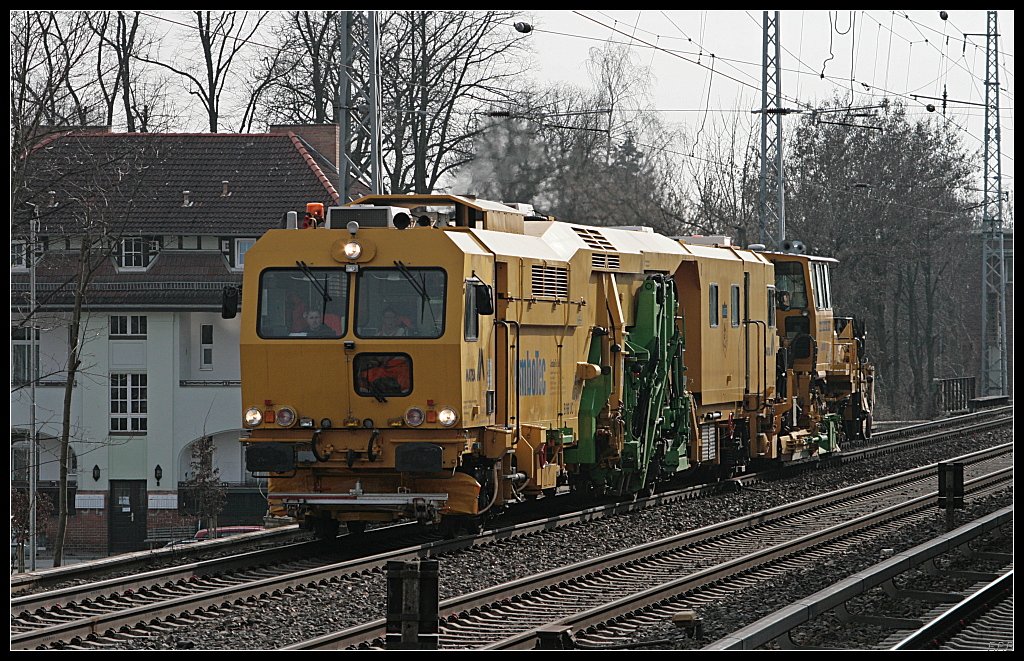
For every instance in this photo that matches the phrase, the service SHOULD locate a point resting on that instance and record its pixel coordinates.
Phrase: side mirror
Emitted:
(484, 300)
(782, 299)
(229, 302)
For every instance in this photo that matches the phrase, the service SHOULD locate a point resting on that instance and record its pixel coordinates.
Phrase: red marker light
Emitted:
(270, 415)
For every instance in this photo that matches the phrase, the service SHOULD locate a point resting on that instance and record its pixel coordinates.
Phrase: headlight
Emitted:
(447, 417)
(252, 417)
(353, 250)
(286, 416)
(414, 417)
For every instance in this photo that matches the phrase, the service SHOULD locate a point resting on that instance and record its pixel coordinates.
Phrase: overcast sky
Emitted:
(874, 53)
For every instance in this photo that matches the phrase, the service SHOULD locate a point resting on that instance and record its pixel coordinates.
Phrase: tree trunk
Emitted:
(65, 432)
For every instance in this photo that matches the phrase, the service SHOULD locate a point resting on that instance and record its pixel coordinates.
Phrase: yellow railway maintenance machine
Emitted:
(823, 368)
(440, 357)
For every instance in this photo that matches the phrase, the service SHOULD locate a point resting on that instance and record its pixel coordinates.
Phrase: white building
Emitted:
(159, 365)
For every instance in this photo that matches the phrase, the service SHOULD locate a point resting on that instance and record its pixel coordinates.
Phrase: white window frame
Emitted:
(204, 347)
(123, 326)
(133, 250)
(240, 251)
(129, 402)
(19, 255)
(21, 348)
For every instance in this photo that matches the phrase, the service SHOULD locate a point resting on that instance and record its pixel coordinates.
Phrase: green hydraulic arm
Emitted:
(656, 405)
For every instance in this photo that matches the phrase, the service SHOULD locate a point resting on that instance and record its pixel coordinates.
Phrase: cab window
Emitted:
(472, 319)
(400, 302)
(789, 276)
(302, 303)
(381, 375)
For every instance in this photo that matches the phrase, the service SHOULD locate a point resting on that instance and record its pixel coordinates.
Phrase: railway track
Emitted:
(874, 600)
(512, 615)
(93, 616)
(981, 622)
(192, 555)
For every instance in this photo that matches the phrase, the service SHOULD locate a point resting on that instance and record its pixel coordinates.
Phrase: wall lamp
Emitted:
(96, 473)
(158, 473)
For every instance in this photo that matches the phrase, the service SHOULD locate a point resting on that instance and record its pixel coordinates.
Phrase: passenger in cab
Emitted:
(315, 326)
(391, 325)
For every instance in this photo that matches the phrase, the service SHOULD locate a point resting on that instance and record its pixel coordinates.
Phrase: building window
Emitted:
(128, 402)
(735, 302)
(19, 255)
(713, 304)
(241, 247)
(136, 252)
(21, 350)
(127, 326)
(206, 347)
(1008, 268)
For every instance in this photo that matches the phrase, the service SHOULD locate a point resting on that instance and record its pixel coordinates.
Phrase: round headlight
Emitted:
(286, 416)
(447, 417)
(414, 417)
(353, 250)
(252, 417)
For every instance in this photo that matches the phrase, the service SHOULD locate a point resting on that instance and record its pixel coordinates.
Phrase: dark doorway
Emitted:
(127, 515)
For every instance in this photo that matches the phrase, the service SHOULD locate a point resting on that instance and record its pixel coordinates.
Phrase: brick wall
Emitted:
(321, 137)
(86, 532)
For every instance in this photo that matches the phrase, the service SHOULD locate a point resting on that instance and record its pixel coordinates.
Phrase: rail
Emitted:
(780, 623)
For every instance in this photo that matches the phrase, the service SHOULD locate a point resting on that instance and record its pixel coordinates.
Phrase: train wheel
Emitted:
(325, 528)
(453, 525)
(356, 527)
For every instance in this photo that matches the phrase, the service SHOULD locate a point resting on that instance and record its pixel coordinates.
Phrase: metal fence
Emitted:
(953, 395)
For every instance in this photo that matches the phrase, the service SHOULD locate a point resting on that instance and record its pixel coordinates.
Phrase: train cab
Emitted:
(822, 359)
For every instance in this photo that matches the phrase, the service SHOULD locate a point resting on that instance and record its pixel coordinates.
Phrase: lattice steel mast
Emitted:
(993, 301)
(358, 109)
(771, 202)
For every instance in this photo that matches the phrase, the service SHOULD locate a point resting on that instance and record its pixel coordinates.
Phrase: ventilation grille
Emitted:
(593, 238)
(600, 260)
(708, 442)
(550, 281)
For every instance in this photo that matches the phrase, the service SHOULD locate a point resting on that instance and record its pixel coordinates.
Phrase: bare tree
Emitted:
(891, 206)
(80, 197)
(204, 495)
(222, 38)
(122, 41)
(302, 73)
(442, 67)
(723, 169)
(21, 508)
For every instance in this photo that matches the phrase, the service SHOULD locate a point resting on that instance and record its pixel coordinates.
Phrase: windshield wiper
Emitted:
(321, 289)
(378, 392)
(420, 288)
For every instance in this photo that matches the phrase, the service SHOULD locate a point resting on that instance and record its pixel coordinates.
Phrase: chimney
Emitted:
(185, 202)
(324, 138)
(225, 192)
